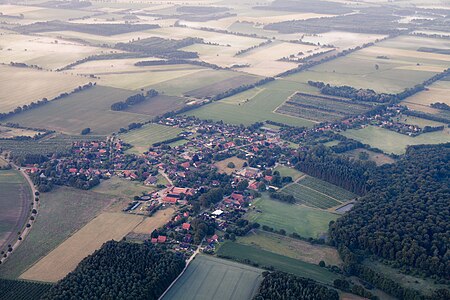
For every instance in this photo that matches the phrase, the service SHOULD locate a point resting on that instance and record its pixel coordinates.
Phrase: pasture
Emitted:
(15, 204)
(144, 137)
(279, 262)
(64, 259)
(437, 92)
(286, 171)
(393, 142)
(11, 132)
(303, 220)
(254, 105)
(222, 165)
(403, 68)
(122, 188)
(379, 158)
(209, 277)
(290, 247)
(22, 86)
(62, 212)
(88, 108)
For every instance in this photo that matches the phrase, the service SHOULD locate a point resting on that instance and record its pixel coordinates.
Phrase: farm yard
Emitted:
(213, 278)
(15, 205)
(144, 137)
(303, 220)
(21, 86)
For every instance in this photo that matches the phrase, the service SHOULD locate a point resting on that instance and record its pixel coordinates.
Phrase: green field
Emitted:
(144, 137)
(61, 213)
(209, 277)
(88, 108)
(393, 142)
(310, 197)
(286, 171)
(123, 188)
(255, 105)
(279, 262)
(306, 221)
(22, 290)
(15, 204)
(328, 189)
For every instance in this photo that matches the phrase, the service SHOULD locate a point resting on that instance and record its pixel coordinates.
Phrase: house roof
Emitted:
(186, 226)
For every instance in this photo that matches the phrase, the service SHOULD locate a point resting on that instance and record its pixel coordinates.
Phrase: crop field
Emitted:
(290, 247)
(61, 213)
(321, 109)
(157, 106)
(88, 108)
(10, 132)
(326, 188)
(286, 171)
(279, 262)
(144, 137)
(223, 164)
(254, 105)
(310, 197)
(46, 52)
(437, 92)
(64, 259)
(306, 221)
(341, 39)
(22, 86)
(393, 142)
(209, 277)
(403, 68)
(15, 200)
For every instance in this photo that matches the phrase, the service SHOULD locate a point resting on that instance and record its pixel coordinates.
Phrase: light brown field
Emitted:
(64, 259)
(222, 165)
(9, 132)
(437, 92)
(21, 86)
(15, 10)
(267, 19)
(341, 39)
(376, 50)
(160, 218)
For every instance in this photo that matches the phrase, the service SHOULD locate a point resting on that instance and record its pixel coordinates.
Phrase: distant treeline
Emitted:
(176, 62)
(132, 100)
(240, 52)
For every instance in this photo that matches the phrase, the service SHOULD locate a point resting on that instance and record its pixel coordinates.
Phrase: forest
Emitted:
(120, 270)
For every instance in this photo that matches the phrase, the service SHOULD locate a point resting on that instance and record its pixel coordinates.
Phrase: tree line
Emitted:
(133, 100)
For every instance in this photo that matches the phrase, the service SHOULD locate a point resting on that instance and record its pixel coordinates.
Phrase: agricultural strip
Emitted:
(279, 262)
(157, 106)
(309, 196)
(208, 277)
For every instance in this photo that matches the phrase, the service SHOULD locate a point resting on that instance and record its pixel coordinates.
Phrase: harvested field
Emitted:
(22, 86)
(223, 165)
(290, 247)
(156, 221)
(88, 108)
(158, 105)
(209, 277)
(62, 212)
(62, 260)
(144, 137)
(11, 132)
(342, 40)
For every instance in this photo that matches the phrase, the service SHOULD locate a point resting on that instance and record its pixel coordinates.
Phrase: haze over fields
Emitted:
(225, 149)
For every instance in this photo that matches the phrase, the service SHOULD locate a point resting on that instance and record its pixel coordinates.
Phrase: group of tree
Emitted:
(134, 99)
(279, 285)
(440, 105)
(120, 270)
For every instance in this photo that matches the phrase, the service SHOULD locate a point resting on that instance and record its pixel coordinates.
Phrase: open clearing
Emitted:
(254, 105)
(403, 68)
(89, 108)
(64, 259)
(223, 165)
(62, 212)
(209, 277)
(11, 132)
(279, 262)
(22, 86)
(286, 171)
(379, 158)
(393, 142)
(156, 221)
(144, 137)
(305, 221)
(15, 200)
(290, 247)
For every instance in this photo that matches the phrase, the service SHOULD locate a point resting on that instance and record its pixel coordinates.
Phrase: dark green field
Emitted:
(22, 290)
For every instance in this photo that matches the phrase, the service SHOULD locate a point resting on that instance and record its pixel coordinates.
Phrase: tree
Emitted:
(242, 185)
(86, 131)
(231, 165)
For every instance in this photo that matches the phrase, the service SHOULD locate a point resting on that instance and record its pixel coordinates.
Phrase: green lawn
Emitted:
(144, 137)
(208, 277)
(279, 262)
(393, 142)
(255, 105)
(62, 212)
(286, 171)
(307, 222)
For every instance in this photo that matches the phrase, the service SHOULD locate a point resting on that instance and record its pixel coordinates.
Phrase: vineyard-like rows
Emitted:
(327, 188)
(22, 290)
(309, 196)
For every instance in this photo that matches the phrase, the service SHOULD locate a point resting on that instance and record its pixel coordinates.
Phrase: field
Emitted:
(254, 105)
(61, 213)
(223, 164)
(379, 158)
(286, 171)
(208, 277)
(306, 221)
(23, 290)
(22, 86)
(156, 221)
(62, 260)
(88, 108)
(320, 108)
(144, 137)
(15, 200)
(279, 262)
(437, 92)
(403, 68)
(122, 188)
(393, 142)
(11, 132)
(290, 247)
(157, 106)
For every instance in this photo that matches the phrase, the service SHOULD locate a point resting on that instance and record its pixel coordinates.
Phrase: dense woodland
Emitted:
(404, 217)
(283, 286)
(120, 270)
